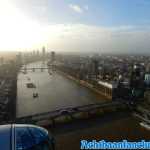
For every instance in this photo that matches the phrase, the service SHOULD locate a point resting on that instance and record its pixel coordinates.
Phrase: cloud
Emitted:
(70, 37)
(76, 8)
(88, 38)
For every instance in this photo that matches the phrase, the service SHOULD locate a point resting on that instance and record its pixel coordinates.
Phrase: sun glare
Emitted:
(17, 31)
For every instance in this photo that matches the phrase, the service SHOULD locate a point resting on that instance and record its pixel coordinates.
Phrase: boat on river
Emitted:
(35, 95)
(30, 85)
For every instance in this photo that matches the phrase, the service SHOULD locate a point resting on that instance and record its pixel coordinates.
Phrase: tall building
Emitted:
(19, 59)
(137, 83)
(96, 71)
(53, 57)
(43, 53)
(147, 75)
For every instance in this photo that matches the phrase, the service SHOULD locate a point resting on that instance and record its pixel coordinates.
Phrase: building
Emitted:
(108, 89)
(147, 79)
(53, 56)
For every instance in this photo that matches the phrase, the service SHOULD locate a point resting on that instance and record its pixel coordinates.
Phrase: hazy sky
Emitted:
(75, 25)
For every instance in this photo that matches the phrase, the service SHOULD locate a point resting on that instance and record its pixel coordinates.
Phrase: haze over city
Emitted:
(75, 26)
(74, 74)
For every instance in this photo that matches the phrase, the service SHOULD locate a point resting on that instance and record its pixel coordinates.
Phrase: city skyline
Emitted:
(76, 26)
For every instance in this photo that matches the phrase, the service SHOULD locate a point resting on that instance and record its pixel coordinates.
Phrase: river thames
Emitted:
(55, 91)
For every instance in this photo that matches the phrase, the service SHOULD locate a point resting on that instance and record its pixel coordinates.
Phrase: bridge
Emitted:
(37, 68)
(72, 113)
(34, 68)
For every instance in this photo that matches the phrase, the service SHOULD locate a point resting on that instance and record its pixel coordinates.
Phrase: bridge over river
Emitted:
(54, 90)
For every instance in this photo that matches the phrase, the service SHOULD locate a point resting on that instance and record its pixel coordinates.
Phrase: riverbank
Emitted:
(85, 84)
(8, 91)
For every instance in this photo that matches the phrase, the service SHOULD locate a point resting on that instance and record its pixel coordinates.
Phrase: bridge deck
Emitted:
(31, 68)
(72, 111)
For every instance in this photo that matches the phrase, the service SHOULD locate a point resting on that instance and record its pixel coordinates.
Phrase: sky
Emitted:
(76, 25)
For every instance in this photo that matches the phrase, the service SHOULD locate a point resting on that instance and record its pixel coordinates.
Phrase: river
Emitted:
(55, 91)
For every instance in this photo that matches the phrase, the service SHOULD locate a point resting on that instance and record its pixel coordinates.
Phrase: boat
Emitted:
(35, 95)
(30, 85)
(50, 72)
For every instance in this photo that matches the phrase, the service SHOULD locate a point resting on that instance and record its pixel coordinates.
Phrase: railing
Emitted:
(72, 111)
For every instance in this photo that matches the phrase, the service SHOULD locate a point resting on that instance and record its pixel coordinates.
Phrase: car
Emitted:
(25, 137)
(64, 112)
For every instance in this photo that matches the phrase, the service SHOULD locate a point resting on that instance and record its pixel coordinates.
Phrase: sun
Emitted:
(17, 31)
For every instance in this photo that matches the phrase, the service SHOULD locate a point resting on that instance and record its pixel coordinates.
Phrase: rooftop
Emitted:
(111, 84)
